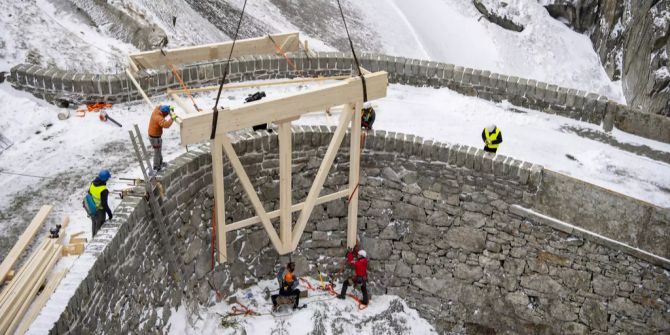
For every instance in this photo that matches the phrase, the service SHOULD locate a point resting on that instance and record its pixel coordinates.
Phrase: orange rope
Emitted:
(183, 85)
(279, 50)
(308, 284)
(213, 233)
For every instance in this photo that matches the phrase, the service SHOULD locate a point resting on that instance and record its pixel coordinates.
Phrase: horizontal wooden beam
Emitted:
(186, 55)
(256, 84)
(294, 208)
(197, 127)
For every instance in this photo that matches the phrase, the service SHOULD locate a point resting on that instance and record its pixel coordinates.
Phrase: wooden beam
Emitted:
(275, 214)
(251, 193)
(257, 84)
(131, 64)
(285, 194)
(216, 147)
(321, 175)
(354, 173)
(251, 46)
(31, 291)
(139, 88)
(197, 127)
(23, 241)
(40, 302)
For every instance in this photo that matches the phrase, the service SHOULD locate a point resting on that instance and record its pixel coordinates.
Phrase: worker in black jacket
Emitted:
(100, 193)
(492, 137)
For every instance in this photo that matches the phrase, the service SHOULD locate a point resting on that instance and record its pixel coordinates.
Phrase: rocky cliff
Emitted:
(632, 38)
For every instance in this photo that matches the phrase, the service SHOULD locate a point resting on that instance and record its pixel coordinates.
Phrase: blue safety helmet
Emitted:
(104, 175)
(166, 109)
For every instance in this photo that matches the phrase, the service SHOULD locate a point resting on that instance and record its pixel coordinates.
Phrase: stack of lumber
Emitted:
(18, 295)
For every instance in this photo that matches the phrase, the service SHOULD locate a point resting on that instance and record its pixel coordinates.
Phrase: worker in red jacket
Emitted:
(360, 277)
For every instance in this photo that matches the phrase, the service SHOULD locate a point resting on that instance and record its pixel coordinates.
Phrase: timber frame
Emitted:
(196, 127)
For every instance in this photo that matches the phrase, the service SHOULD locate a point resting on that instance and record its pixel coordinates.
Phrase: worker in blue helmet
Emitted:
(159, 120)
(100, 194)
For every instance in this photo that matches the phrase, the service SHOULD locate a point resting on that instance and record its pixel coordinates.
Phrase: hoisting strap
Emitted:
(280, 51)
(351, 44)
(183, 86)
(215, 117)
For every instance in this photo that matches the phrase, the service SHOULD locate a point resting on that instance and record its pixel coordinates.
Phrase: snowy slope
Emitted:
(453, 31)
(324, 314)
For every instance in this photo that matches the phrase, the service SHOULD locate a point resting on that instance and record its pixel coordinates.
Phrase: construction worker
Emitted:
(360, 275)
(157, 122)
(288, 287)
(492, 138)
(367, 116)
(100, 194)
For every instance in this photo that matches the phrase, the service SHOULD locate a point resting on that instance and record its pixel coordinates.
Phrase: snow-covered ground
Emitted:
(324, 314)
(453, 31)
(69, 153)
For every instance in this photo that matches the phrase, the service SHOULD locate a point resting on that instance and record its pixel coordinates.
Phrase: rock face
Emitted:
(632, 39)
(488, 10)
(124, 23)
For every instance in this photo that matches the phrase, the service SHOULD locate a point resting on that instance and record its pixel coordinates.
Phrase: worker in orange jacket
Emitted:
(158, 121)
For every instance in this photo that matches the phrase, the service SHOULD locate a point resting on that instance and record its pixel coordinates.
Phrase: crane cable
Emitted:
(215, 117)
(365, 91)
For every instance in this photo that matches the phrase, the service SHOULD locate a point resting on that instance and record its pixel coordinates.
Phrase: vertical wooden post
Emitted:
(217, 178)
(285, 194)
(354, 174)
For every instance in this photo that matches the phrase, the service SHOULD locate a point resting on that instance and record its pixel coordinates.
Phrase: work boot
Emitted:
(341, 297)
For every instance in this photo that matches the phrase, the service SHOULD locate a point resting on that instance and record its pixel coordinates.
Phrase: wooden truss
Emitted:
(196, 127)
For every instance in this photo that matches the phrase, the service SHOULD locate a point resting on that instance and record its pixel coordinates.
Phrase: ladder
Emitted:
(150, 185)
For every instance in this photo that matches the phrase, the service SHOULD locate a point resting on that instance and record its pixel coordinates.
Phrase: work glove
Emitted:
(173, 116)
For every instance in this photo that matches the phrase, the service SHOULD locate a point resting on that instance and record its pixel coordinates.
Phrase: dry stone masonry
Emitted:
(56, 85)
(456, 232)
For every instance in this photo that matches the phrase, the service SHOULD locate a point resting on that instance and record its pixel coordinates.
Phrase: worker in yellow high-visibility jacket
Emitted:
(100, 194)
(492, 137)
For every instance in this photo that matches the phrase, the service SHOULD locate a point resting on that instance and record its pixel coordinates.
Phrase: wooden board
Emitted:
(285, 194)
(198, 127)
(32, 290)
(216, 148)
(40, 302)
(275, 214)
(354, 174)
(23, 241)
(257, 84)
(187, 55)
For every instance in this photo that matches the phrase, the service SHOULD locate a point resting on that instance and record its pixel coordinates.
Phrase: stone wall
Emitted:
(441, 223)
(56, 85)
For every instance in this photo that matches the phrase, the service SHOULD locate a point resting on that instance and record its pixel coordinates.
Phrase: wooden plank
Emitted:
(321, 175)
(251, 193)
(40, 302)
(23, 241)
(186, 55)
(197, 127)
(4, 294)
(275, 214)
(131, 64)
(26, 279)
(217, 178)
(78, 240)
(354, 174)
(257, 84)
(31, 291)
(285, 194)
(74, 249)
(139, 88)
